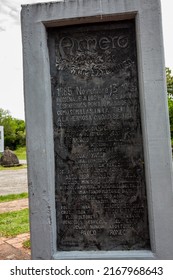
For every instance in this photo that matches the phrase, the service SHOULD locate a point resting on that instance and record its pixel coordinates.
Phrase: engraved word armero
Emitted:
(71, 45)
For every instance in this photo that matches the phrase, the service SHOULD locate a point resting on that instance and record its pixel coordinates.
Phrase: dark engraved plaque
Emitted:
(101, 199)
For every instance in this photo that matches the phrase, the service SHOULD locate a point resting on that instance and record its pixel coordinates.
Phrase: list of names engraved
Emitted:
(100, 181)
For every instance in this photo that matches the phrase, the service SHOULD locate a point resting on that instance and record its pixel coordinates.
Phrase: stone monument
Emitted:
(9, 159)
(99, 156)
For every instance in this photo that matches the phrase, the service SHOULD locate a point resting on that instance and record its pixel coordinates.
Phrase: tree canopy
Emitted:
(169, 80)
(14, 130)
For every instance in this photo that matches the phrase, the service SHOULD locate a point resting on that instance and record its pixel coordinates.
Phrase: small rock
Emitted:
(9, 159)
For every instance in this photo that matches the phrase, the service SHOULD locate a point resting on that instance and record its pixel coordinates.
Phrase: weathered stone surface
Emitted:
(9, 159)
(100, 182)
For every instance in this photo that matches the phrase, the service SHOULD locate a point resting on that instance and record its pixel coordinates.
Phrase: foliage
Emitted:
(14, 223)
(14, 130)
(170, 106)
(10, 197)
(169, 80)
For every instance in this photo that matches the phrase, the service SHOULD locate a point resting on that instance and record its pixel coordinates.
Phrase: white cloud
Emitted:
(9, 13)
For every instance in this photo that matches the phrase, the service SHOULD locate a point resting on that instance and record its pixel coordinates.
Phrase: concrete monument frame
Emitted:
(154, 116)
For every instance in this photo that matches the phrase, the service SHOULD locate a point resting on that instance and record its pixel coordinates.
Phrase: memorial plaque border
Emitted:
(75, 162)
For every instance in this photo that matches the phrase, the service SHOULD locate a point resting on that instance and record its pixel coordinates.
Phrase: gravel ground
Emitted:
(13, 181)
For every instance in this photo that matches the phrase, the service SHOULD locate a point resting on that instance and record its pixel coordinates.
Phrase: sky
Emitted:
(11, 68)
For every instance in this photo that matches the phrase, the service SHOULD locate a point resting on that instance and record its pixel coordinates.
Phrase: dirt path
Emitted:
(13, 181)
(12, 248)
(14, 205)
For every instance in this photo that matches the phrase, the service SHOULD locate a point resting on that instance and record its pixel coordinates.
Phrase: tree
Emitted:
(14, 130)
(169, 80)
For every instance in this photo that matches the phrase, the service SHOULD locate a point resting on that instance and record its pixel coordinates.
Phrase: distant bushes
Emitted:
(169, 80)
(14, 130)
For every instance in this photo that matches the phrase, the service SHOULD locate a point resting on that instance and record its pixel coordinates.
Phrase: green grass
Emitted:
(27, 244)
(20, 153)
(10, 197)
(14, 223)
(13, 168)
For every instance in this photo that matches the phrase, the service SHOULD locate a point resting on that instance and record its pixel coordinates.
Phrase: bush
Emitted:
(14, 130)
(169, 80)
